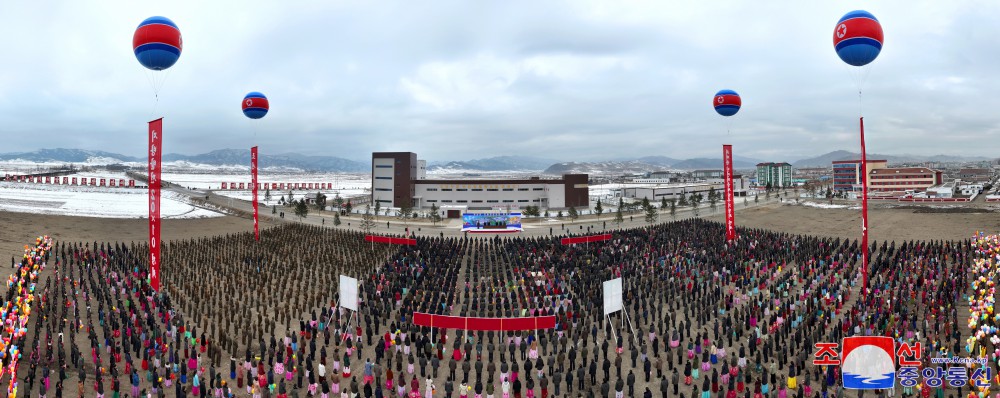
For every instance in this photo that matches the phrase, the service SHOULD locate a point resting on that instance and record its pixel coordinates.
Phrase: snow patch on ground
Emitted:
(101, 202)
(347, 184)
(828, 206)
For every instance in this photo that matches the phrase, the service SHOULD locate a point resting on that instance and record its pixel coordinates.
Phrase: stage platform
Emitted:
(491, 230)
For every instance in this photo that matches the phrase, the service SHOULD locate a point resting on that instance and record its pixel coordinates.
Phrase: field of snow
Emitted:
(828, 206)
(275, 195)
(93, 202)
(347, 184)
(603, 190)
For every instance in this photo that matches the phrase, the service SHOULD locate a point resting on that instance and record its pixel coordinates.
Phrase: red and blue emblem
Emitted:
(255, 105)
(868, 362)
(726, 102)
(858, 38)
(157, 43)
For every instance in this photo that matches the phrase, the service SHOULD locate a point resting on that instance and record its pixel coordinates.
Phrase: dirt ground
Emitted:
(883, 223)
(19, 229)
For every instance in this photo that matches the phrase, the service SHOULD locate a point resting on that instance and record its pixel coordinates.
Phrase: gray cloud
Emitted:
(574, 80)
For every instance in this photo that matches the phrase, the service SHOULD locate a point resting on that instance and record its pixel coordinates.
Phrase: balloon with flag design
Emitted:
(255, 105)
(157, 43)
(727, 102)
(857, 38)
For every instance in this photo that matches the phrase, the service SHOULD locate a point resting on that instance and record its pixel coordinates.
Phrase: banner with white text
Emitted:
(253, 184)
(155, 154)
(727, 176)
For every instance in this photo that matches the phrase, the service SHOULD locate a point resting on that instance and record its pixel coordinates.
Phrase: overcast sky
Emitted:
(458, 80)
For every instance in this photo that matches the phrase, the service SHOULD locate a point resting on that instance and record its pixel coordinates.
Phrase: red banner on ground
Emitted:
(727, 176)
(586, 239)
(253, 177)
(484, 324)
(390, 240)
(155, 152)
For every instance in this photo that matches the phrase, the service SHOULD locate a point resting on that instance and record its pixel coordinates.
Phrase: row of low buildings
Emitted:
(883, 179)
(658, 191)
(399, 179)
(896, 181)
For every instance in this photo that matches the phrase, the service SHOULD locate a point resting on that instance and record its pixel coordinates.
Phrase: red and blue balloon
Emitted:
(255, 105)
(858, 38)
(157, 43)
(727, 102)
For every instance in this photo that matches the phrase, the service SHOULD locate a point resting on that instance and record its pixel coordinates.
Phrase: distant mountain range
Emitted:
(826, 159)
(499, 163)
(646, 165)
(595, 168)
(222, 158)
(240, 158)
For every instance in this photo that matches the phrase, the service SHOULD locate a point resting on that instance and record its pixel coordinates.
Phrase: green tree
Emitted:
(435, 216)
(645, 204)
(378, 208)
(599, 209)
(336, 219)
(267, 195)
(829, 195)
(684, 200)
(673, 208)
(348, 206)
(651, 213)
(301, 209)
(367, 220)
(546, 213)
(559, 215)
(405, 212)
(695, 201)
(664, 204)
(531, 211)
(713, 198)
(338, 201)
(573, 214)
(320, 201)
(619, 218)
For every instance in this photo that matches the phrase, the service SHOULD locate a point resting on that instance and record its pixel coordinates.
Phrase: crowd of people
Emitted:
(703, 317)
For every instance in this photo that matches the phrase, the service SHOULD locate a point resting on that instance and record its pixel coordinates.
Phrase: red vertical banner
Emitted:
(727, 176)
(155, 152)
(253, 183)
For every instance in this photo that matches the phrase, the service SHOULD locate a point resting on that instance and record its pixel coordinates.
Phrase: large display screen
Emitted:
(491, 221)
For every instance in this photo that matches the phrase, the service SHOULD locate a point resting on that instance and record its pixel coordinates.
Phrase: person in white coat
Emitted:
(429, 388)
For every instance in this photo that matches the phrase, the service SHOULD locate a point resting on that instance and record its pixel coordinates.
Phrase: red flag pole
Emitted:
(864, 208)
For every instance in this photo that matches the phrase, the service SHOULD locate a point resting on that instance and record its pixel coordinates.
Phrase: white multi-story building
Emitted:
(657, 192)
(397, 180)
